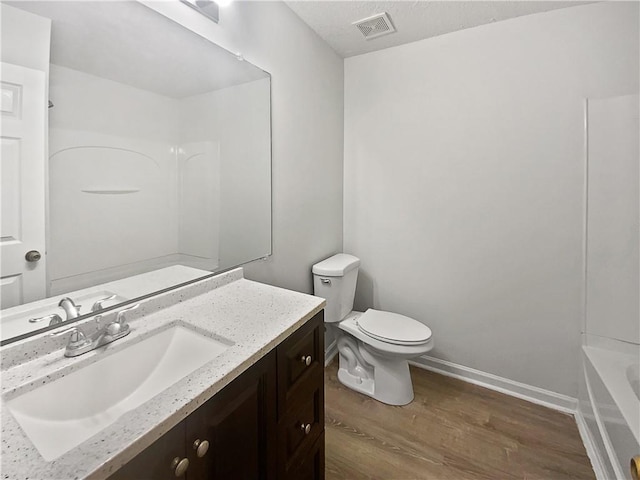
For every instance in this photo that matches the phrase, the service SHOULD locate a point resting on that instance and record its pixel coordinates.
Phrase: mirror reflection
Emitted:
(136, 155)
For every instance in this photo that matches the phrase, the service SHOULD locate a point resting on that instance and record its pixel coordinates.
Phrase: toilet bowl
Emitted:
(373, 346)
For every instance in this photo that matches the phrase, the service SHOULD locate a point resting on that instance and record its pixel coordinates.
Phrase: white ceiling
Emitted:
(129, 43)
(414, 20)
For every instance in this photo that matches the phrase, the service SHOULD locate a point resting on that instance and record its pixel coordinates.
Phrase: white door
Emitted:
(22, 185)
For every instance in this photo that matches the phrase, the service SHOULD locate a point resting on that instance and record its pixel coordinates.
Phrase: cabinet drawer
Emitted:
(311, 466)
(300, 427)
(300, 358)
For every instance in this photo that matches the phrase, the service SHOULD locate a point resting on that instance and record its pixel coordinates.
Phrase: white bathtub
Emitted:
(610, 405)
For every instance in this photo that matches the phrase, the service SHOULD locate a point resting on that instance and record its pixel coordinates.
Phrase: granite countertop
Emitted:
(254, 316)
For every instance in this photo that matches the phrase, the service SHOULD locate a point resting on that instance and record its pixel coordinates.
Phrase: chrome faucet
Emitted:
(80, 343)
(71, 309)
(54, 319)
(98, 305)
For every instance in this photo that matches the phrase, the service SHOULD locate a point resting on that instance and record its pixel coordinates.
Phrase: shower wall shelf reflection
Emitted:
(111, 191)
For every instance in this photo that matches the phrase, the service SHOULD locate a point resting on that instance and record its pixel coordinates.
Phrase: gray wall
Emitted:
(464, 183)
(308, 129)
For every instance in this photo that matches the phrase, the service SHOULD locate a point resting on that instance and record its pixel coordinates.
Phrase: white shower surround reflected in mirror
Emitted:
(156, 167)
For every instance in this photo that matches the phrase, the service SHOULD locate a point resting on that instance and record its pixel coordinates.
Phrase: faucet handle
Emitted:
(62, 332)
(98, 304)
(76, 339)
(115, 328)
(53, 319)
(120, 317)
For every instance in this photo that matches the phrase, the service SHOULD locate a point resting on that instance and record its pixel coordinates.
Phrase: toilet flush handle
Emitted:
(325, 281)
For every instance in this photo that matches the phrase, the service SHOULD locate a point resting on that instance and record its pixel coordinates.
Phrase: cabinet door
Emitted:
(157, 462)
(239, 425)
(312, 466)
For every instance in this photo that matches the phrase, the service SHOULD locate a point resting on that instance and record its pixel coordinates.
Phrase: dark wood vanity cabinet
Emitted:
(300, 360)
(239, 425)
(267, 424)
(154, 462)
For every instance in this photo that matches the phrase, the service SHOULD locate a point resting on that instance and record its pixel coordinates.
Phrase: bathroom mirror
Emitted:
(150, 168)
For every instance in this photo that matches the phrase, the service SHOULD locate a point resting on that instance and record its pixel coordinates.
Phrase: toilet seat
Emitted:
(375, 366)
(393, 328)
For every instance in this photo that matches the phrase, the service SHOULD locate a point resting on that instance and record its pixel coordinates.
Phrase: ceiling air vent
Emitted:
(376, 26)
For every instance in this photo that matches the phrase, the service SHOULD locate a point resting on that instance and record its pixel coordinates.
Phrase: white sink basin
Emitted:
(63, 413)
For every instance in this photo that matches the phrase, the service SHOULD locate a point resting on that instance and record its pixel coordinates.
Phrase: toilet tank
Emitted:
(334, 279)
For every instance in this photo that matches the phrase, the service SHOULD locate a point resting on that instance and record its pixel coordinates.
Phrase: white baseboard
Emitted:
(330, 352)
(530, 393)
(590, 446)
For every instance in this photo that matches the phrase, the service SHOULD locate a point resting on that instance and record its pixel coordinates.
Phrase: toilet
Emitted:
(375, 346)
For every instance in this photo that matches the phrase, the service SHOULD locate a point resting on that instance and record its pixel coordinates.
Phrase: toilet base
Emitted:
(375, 368)
(384, 379)
(359, 384)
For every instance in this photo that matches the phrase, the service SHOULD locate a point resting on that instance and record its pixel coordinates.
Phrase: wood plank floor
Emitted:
(452, 430)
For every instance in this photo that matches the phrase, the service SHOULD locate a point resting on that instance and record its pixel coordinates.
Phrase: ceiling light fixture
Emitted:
(208, 8)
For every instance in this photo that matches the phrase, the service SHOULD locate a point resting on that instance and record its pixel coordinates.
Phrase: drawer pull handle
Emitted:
(201, 447)
(306, 428)
(179, 467)
(306, 359)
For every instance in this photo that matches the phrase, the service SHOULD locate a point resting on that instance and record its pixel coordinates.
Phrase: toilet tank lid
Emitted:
(337, 265)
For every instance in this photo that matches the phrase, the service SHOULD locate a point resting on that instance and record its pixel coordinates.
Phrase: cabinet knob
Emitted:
(306, 359)
(179, 467)
(635, 467)
(306, 428)
(201, 447)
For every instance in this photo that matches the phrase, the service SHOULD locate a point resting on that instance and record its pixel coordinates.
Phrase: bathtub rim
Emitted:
(611, 366)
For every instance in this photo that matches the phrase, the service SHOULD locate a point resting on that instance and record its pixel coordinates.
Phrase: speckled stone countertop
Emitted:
(254, 316)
